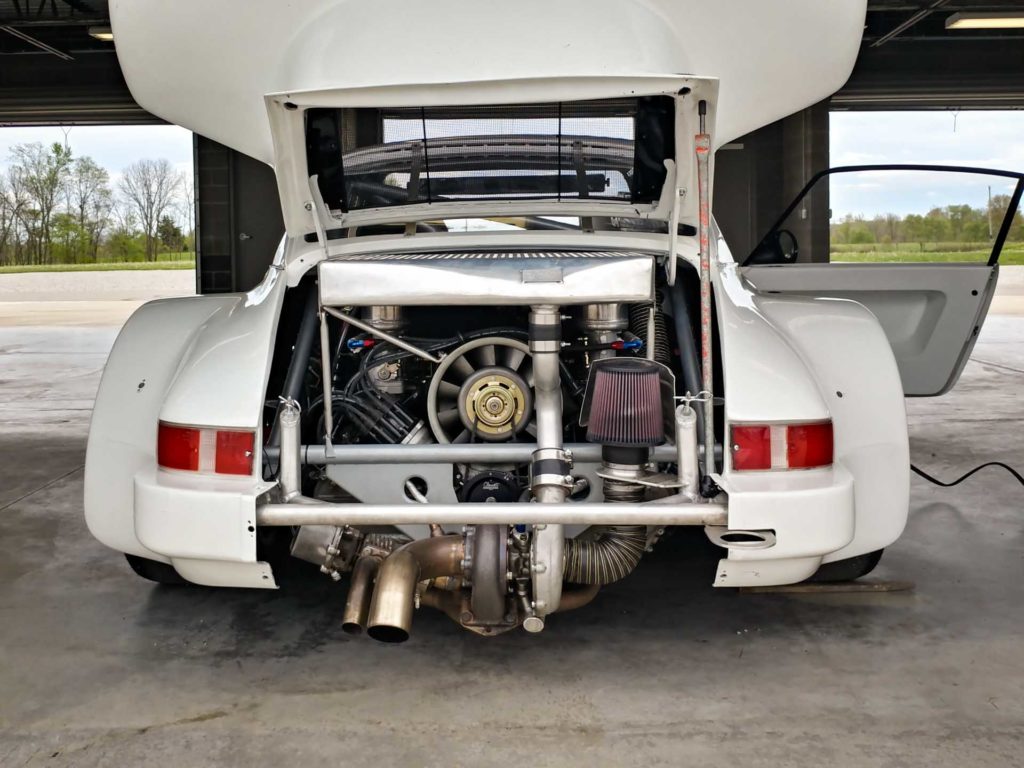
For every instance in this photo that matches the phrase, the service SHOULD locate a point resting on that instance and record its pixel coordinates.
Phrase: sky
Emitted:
(112, 147)
(965, 138)
(979, 138)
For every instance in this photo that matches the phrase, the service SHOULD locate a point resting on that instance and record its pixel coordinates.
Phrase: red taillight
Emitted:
(195, 449)
(177, 447)
(751, 447)
(809, 445)
(781, 446)
(234, 453)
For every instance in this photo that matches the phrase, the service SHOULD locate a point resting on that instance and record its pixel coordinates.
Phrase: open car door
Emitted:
(918, 245)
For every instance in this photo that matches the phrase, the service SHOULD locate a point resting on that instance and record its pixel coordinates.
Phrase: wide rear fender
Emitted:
(201, 360)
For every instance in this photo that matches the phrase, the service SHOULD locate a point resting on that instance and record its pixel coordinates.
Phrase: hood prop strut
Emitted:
(702, 145)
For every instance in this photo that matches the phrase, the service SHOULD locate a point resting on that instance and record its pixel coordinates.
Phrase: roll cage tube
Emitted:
(997, 243)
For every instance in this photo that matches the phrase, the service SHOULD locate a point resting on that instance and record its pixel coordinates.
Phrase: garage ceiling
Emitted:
(909, 60)
(52, 69)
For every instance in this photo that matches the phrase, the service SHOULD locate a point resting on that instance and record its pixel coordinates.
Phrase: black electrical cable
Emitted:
(930, 479)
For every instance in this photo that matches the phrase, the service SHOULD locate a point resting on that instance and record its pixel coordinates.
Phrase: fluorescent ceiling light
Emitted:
(985, 21)
(101, 33)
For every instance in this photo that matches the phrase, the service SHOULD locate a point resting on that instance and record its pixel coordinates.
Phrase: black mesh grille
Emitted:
(609, 150)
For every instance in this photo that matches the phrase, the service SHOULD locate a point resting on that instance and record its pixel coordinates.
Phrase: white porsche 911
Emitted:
(503, 345)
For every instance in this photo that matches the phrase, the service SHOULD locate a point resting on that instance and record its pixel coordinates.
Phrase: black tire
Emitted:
(161, 573)
(847, 570)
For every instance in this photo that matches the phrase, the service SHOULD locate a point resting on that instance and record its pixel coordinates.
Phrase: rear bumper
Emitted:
(205, 526)
(811, 513)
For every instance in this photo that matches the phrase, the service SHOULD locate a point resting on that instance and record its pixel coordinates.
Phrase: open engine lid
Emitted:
(220, 68)
(581, 146)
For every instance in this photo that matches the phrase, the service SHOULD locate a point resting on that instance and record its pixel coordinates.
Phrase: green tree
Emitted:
(89, 200)
(149, 188)
(41, 172)
(169, 234)
(997, 209)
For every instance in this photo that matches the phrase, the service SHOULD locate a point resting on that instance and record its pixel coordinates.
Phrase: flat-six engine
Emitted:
(417, 410)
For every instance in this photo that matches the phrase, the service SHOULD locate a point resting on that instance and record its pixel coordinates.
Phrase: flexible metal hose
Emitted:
(610, 557)
(639, 315)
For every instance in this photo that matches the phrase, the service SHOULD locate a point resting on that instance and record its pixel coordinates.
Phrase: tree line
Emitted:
(949, 224)
(56, 208)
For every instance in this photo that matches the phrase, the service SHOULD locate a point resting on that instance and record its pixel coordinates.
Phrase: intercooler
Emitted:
(516, 277)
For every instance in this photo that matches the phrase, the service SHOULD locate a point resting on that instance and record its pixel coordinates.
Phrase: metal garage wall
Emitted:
(760, 173)
(238, 218)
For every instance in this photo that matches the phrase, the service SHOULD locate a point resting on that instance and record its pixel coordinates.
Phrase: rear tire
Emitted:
(161, 573)
(847, 570)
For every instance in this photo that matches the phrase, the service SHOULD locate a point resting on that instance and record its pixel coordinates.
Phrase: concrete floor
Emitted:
(98, 667)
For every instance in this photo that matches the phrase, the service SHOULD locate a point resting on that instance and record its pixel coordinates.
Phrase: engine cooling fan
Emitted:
(482, 391)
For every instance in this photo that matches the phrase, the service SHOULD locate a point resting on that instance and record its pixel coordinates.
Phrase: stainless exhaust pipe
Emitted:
(572, 599)
(360, 593)
(450, 603)
(390, 615)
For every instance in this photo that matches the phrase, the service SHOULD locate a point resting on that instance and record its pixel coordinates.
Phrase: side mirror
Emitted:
(786, 245)
(779, 247)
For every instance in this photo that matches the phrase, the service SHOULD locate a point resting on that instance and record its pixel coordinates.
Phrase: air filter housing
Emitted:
(623, 405)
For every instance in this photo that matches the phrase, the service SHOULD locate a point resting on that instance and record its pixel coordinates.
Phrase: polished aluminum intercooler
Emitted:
(513, 277)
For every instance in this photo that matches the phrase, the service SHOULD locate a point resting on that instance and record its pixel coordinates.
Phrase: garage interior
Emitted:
(97, 666)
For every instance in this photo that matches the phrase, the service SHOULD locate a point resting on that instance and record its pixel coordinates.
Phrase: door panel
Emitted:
(931, 313)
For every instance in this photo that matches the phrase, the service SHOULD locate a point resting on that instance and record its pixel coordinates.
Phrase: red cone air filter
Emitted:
(624, 403)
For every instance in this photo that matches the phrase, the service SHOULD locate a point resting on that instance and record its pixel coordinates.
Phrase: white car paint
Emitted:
(931, 313)
(774, 58)
(200, 361)
(780, 361)
(786, 352)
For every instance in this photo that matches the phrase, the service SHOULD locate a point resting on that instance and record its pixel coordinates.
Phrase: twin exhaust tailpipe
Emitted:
(385, 609)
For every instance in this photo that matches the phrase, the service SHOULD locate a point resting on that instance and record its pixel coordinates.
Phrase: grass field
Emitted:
(1009, 257)
(110, 267)
(971, 257)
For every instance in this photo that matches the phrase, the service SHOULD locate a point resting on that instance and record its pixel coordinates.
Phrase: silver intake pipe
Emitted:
(550, 476)
(551, 466)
